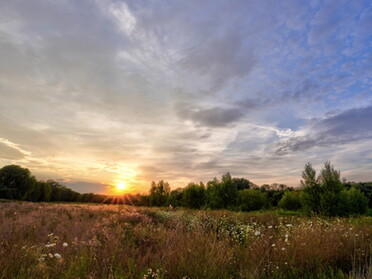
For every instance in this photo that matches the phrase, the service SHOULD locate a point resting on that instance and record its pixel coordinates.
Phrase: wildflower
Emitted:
(65, 244)
(58, 256)
(283, 248)
(50, 245)
(273, 245)
(50, 255)
(269, 227)
(289, 225)
(256, 233)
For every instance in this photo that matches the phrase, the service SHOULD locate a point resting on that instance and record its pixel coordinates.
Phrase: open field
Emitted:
(40, 240)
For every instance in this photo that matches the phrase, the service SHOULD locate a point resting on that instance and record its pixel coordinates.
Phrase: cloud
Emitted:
(11, 153)
(210, 117)
(346, 127)
(184, 88)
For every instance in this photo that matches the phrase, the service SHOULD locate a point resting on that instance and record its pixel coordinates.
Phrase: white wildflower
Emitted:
(65, 244)
(58, 256)
(50, 245)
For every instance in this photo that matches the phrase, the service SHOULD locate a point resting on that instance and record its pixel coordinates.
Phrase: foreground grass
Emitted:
(111, 241)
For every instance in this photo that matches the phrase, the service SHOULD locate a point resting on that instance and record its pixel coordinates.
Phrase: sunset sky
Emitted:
(94, 93)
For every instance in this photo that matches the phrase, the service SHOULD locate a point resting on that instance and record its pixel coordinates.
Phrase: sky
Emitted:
(99, 92)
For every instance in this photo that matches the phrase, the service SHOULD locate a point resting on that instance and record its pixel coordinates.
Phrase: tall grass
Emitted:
(111, 241)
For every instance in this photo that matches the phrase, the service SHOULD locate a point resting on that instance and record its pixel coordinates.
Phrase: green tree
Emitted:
(35, 194)
(214, 199)
(250, 199)
(330, 178)
(16, 182)
(332, 202)
(312, 190)
(222, 194)
(357, 202)
(175, 197)
(159, 193)
(241, 183)
(229, 191)
(194, 195)
(290, 201)
(45, 191)
(60, 192)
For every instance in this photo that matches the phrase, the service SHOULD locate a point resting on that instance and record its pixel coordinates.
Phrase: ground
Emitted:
(46, 240)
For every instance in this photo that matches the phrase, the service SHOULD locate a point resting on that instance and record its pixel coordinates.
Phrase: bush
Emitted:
(249, 200)
(334, 203)
(175, 197)
(194, 196)
(357, 202)
(290, 201)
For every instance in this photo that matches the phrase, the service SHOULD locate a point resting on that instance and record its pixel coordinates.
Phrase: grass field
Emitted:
(40, 240)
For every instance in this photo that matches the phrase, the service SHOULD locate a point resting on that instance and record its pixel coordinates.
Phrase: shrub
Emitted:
(249, 200)
(290, 201)
(194, 196)
(357, 202)
(334, 203)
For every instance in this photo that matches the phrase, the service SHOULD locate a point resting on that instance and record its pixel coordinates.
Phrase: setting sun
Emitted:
(120, 187)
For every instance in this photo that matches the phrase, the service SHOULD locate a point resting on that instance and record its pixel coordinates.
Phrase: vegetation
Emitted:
(293, 235)
(249, 200)
(49, 240)
(324, 194)
(290, 201)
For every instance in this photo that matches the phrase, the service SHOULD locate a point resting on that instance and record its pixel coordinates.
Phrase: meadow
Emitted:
(51, 240)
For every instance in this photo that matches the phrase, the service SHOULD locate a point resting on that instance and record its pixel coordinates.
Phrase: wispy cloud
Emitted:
(97, 91)
(346, 127)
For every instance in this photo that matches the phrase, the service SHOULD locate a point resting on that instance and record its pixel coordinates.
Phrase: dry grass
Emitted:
(111, 241)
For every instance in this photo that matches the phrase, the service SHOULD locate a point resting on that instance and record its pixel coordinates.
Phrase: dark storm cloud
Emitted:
(346, 127)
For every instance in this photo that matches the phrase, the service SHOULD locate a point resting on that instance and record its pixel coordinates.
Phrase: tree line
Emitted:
(323, 194)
